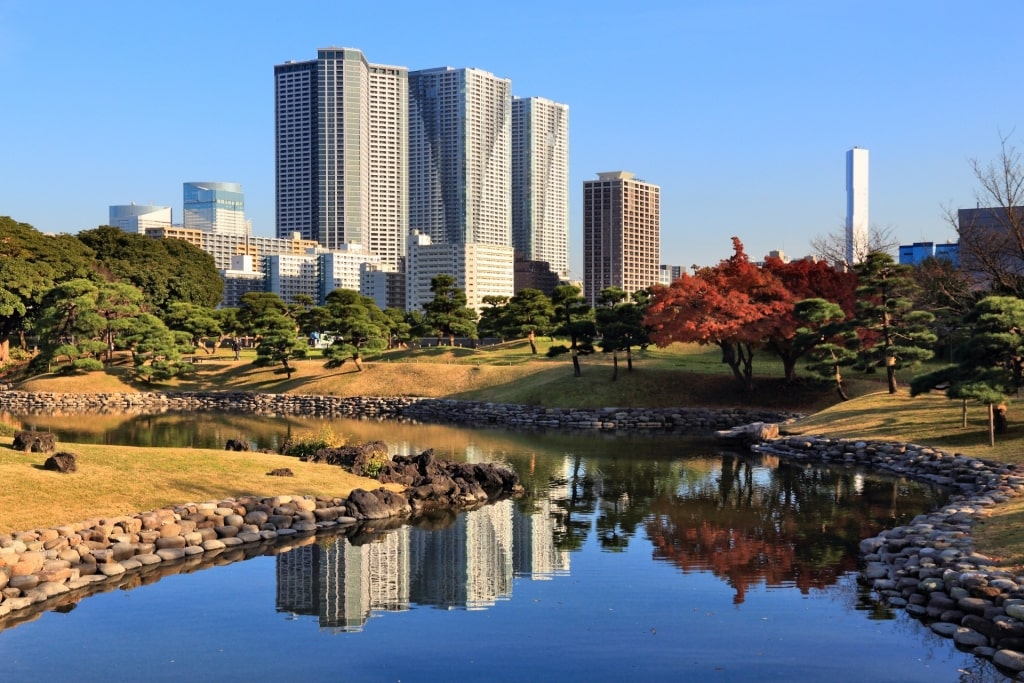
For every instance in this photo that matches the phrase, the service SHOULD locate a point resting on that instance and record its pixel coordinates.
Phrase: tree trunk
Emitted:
(5, 350)
(615, 365)
(890, 373)
(575, 361)
(629, 359)
(788, 367)
(963, 414)
(1000, 419)
(358, 361)
(991, 425)
(839, 384)
(533, 343)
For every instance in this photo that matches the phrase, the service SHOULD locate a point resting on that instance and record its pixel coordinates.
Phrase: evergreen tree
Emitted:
(893, 333)
(447, 313)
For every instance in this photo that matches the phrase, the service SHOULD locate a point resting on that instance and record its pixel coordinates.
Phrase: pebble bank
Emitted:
(929, 567)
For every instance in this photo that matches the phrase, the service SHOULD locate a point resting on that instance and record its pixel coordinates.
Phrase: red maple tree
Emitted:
(730, 305)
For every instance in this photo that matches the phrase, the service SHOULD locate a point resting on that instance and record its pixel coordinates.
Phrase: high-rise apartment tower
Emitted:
(856, 205)
(460, 168)
(540, 182)
(341, 148)
(621, 234)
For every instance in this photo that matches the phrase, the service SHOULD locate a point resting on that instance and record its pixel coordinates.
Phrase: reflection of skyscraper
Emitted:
(341, 584)
(536, 555)
(468, 564)
(856, 205)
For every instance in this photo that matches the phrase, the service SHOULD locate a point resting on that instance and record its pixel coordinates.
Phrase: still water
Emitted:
(632, 558)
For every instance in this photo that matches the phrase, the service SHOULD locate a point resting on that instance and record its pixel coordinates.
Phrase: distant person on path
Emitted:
(235, 346)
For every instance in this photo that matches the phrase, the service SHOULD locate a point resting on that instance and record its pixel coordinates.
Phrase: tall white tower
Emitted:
(540, 181)
(856, 205)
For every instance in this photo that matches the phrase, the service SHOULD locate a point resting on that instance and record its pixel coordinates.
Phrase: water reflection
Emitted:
(748, 520)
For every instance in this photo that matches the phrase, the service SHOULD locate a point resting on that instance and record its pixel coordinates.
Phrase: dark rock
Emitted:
(281, 472)
(237, 445)
(35, 442)
(377, 504)
(63, 462)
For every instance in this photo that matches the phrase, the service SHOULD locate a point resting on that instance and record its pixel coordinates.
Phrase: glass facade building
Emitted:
(215, 207)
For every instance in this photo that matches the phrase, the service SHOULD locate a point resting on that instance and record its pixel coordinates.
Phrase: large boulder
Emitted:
(36, 442)
(378, 504)
(237, 445)
(62, 462)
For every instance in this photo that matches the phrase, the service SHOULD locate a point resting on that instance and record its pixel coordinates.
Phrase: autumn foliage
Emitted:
(741, 306)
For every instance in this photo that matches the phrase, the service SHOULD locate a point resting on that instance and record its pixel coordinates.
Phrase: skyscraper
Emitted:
(621, 233)
(341, 148)
(540, 182)
(215, 207)
(460, 168)
(856, 205)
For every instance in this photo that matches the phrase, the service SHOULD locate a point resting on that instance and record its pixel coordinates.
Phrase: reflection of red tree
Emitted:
(742, 558)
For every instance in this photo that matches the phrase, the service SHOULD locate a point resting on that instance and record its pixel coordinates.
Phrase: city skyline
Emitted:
(742, 129)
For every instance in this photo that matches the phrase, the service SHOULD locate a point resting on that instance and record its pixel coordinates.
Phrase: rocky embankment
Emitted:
(676, 420)
(37, 567)
(929, 567)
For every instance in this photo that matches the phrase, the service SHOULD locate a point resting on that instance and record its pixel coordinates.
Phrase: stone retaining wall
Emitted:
(677, 420)
(929, 566)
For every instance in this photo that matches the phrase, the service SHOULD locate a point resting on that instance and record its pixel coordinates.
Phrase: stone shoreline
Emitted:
(677, 420)
(42, 564)
(929, 567)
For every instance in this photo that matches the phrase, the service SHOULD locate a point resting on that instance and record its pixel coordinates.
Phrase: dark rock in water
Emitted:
(237, 445)
(62, 462)
(36, 442)
(378, 504)
(281, 472)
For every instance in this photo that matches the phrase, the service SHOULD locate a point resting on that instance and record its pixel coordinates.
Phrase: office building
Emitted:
(621, 234)
(534, 275)
(139, 218)
(224, 246)
(340, 269)
(540, 182)
(240, 279)
(667, 273)
(341, 152)
(856, 205)
(479, 270)
(460, 126)
(215, 207)
(385, 287)
(291, 275)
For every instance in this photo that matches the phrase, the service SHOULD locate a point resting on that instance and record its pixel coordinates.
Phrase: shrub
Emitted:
(305, 445)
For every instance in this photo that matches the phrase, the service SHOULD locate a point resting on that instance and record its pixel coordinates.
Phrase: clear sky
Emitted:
(742, 111)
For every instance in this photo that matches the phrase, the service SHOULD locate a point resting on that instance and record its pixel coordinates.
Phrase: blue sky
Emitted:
(742, 111)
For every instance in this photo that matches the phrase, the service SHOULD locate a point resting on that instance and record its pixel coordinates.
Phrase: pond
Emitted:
(632, 558)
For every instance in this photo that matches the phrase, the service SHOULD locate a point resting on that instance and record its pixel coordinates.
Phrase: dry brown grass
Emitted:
(118, 480)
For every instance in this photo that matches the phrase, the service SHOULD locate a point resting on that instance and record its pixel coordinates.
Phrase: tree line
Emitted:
(81, 299)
